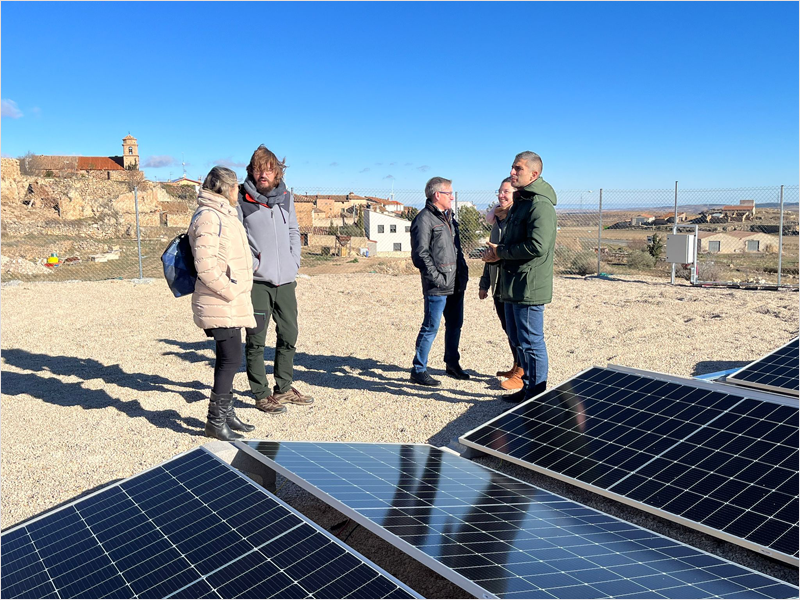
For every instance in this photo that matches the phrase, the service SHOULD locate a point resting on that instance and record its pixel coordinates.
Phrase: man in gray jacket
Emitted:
(436, 252)
(266, 208)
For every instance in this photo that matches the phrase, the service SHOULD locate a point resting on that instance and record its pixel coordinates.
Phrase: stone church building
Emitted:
(110, 168)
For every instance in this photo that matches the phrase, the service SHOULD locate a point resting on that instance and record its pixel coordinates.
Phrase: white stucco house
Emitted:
(391, 233)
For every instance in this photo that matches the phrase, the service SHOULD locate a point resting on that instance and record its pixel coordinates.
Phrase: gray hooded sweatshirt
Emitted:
(271, 225)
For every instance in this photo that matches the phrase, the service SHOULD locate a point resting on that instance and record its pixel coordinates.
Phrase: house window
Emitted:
(392, 228)
(713, 246)
(751, 245)
(408, 228)
(398, 247)
(380, 228)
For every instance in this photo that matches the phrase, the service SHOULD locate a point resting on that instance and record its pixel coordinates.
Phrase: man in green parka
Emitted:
(525, 257)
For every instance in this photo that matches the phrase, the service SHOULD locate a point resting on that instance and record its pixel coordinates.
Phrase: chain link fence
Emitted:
(745, 236)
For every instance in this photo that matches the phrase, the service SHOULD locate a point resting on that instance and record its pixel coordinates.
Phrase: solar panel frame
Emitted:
(609, 549)
(747, 393)
(83, 508)
(772, 368)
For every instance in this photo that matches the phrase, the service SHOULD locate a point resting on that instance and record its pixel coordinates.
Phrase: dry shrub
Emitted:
(584, 263)
(706, 271)
(641, 260)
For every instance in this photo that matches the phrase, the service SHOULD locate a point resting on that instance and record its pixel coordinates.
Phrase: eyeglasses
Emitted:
(448, 193)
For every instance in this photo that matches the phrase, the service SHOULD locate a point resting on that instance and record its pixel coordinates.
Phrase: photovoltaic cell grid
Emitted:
(496, 536)
(719, 459)
(779, 371)
(190, 528)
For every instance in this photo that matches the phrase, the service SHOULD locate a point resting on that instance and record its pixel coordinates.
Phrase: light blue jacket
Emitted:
(274, 236)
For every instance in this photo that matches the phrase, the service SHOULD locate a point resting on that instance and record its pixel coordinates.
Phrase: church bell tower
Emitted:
(130, 152)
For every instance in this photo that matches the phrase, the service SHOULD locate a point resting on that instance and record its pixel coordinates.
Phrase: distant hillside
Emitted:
(687, 208)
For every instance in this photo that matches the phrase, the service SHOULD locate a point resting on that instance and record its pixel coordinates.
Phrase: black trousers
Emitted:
(228, 357)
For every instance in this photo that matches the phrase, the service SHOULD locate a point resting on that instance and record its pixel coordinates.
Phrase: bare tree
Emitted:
(24, 162)
(134, 176)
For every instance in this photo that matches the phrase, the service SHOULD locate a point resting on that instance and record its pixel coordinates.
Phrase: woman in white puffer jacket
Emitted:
(221, 300)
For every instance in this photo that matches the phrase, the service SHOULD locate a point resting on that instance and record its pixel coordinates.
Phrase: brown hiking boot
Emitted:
(292, 396)
(270, 405)
(514, 382)
(509, 373)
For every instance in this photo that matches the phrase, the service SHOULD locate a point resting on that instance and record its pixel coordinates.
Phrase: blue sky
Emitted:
(365, 95)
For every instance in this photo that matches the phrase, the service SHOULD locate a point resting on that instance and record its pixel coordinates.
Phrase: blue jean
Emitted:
(452, 307)
(525, 329)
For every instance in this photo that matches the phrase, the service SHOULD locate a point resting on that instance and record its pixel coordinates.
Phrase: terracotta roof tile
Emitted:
(98, 163)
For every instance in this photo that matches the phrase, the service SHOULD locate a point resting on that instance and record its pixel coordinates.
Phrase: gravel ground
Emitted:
(101, 380)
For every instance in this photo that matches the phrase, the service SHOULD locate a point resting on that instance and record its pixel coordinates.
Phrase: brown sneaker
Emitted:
(292, 396)
(270, 405)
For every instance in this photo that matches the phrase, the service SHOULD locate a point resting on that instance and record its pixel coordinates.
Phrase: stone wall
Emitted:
(9, 175)
(9, 168)
(77, 198)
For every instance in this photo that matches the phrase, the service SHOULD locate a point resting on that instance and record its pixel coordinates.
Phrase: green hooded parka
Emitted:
(527, 245)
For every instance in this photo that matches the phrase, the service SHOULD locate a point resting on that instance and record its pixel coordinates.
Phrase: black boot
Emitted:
(216, 426)
(235, 422)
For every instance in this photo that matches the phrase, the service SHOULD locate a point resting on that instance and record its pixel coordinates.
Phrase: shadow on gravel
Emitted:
(87, 368)
(712, 366)
(369, 375)
(55, 391)
(60, 393)
(190, 351)
(476, 415)
(346, 373)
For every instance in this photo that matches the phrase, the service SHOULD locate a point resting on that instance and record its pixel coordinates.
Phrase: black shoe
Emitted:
(516, 397)
(236, 424)
(423, 378)
(216, 423)
(455, 371)
(538, 389)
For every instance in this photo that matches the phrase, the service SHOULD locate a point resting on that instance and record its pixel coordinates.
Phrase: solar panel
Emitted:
(717, 458)
(778, 371)
(192, 527)
(498, 537)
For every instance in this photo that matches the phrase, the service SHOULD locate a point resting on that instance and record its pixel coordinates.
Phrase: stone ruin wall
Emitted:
(72, 198)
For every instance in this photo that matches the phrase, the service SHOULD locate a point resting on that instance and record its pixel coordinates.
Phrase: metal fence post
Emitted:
(138, 234)
(599, 230)
(780, 241)
(455, 204)
(695, 268)
(674, 231)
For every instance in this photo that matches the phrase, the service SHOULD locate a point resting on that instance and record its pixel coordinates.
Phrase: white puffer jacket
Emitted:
(224, 265)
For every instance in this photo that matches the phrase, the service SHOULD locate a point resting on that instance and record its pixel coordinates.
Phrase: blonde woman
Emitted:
(496, 215)
(221, 300)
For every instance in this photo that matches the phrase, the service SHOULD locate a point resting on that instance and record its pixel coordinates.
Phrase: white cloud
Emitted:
(10, 109)
(364, 170)
(389, 177)
(229, 162)
(423, 168)
(334, 164)
(154, 162)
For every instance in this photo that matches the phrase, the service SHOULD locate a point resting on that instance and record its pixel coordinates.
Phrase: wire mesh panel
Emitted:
(739, 238)
(71, 228)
